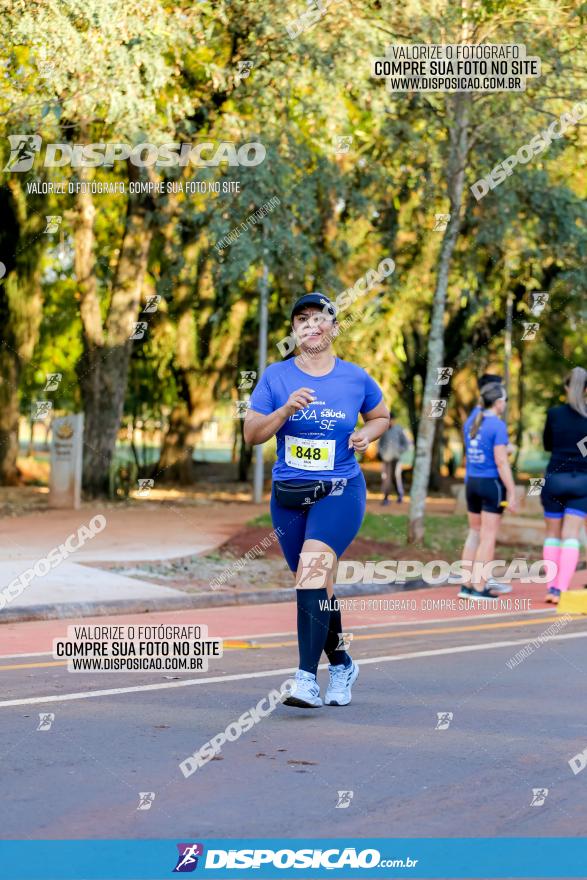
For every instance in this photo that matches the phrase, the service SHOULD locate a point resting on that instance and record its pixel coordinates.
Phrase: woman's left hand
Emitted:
(359, 440)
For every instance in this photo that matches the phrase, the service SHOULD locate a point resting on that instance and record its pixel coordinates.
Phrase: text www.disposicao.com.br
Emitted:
(134, 664)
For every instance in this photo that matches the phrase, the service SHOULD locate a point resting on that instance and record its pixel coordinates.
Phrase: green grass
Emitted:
(263, 520)
(442, 534)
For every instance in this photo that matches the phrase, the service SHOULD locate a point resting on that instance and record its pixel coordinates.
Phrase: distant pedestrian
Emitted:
(489, 487)
(392, 446)
(472, 539)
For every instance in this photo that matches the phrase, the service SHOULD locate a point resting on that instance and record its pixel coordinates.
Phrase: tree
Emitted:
(20, 311)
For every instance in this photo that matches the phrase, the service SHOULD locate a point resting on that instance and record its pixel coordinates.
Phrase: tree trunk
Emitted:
(31, 445)
(237, 434)
(133, 445)
(458, 147)
(176, 459)
(103, 367)
(520, 424)
(196, 383)
(437, 458)
(9, 413)
(436, 481)
(21, 244)
(412, 345)
(245, 455)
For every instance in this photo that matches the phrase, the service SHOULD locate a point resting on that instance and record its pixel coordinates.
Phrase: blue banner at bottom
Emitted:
(225, 859)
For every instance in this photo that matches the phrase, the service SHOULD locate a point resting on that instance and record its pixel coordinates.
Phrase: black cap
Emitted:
(487, 379)
(314, 299)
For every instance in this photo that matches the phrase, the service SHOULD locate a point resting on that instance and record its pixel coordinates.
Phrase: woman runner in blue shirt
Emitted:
(311, 403)
(489, 482)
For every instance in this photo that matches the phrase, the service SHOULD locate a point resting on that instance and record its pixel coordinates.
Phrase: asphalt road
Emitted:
(512, 730)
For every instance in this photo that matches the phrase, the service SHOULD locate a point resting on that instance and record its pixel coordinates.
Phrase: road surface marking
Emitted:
(292, 632)
(268, 673)
(233, 645)
(422, 632)
(230, 644)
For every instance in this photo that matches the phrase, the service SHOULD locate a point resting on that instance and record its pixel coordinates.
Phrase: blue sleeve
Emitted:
(373, 394)
(262, 398)
(501, 434)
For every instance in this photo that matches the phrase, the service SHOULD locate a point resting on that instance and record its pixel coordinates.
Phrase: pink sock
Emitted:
(568, 563)
(551, 553)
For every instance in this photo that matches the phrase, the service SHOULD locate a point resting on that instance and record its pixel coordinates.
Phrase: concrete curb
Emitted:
(197, 600)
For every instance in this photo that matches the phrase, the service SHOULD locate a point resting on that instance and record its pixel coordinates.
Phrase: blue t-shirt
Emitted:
(479, 450)
(314, 442)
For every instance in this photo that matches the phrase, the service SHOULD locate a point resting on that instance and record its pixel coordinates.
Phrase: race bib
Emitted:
(309, 455)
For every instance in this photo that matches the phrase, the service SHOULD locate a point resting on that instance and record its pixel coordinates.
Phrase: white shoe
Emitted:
(305, 693)
(342, 678)
(498, 586)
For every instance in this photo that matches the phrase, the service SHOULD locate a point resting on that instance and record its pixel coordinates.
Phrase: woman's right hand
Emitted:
(299, 399)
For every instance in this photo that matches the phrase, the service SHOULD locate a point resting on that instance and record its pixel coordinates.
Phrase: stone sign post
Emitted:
(66, 462)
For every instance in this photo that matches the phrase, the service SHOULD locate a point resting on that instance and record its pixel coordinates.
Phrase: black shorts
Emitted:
(485, 493)
(564, 493)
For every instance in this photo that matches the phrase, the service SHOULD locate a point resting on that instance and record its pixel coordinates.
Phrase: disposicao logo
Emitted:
(187, 859)
(24, 147)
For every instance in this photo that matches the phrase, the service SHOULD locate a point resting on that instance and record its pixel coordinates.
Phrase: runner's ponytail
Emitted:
(476, 424)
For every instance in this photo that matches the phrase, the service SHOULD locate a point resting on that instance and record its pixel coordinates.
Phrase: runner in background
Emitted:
(311, 404)
(472, 539)
(489, 487)
(392, 445)
(564, 494)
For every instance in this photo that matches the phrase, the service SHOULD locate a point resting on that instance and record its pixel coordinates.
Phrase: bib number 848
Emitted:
(307, 452)
(309, 455)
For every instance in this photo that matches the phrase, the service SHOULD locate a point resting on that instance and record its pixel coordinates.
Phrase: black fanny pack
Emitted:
(296, 494)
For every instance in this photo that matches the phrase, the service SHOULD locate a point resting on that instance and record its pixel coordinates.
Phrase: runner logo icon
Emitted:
(344, 799)
(444, 719)
(315, 568)
(188, 857)
(539, 795)
(536, 484)
(23, 148)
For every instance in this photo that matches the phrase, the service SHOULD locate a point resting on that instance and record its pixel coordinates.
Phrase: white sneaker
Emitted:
(498, 586)
(342, 678)
(306, 692)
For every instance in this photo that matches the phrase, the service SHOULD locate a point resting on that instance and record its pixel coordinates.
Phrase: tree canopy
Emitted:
(352, 172)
